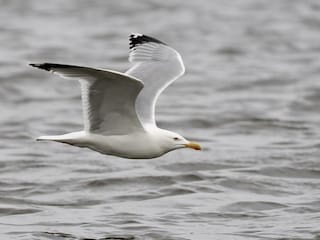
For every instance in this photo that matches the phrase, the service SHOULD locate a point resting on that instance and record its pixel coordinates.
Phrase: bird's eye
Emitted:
(176, 139)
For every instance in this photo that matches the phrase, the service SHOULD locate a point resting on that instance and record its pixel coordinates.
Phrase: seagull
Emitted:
(119, 108)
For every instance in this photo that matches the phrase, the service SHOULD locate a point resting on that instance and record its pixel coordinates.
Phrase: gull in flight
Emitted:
(119, 108)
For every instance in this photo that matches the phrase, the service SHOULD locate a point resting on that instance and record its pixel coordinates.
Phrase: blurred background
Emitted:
(250, 96)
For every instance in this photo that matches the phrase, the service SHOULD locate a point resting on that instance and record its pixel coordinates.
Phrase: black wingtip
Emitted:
(33, 64)
(49, 66)
(138, 38)
(44, 66)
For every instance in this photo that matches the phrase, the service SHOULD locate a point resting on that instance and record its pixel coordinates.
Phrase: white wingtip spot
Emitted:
(136, 35)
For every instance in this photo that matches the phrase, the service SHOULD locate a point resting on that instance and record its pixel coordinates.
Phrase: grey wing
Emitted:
(157, 65)
(108, 98)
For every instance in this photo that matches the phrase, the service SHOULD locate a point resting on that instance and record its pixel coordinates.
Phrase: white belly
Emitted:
(127, 146)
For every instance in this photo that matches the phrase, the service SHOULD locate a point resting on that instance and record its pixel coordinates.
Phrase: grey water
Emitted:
(250, 96)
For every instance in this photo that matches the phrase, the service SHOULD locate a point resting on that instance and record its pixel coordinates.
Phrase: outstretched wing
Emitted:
(108, 98)
(157, 65)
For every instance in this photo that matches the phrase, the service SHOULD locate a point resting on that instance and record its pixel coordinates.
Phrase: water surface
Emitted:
(250, 96)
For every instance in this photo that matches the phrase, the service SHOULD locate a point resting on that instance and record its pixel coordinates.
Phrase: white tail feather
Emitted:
(74, 138)
(49, 138)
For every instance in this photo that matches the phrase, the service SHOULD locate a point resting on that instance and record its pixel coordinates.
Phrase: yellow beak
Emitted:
(193, 145)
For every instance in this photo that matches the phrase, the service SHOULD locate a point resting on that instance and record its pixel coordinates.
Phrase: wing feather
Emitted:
(157, 65)
(108, 98)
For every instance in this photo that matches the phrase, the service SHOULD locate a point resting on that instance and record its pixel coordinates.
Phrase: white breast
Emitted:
(137, 145)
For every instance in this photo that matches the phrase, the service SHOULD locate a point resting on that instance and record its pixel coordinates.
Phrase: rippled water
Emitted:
(250, 96)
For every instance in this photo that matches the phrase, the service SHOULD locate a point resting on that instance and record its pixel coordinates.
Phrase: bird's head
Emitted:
(174, 141)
